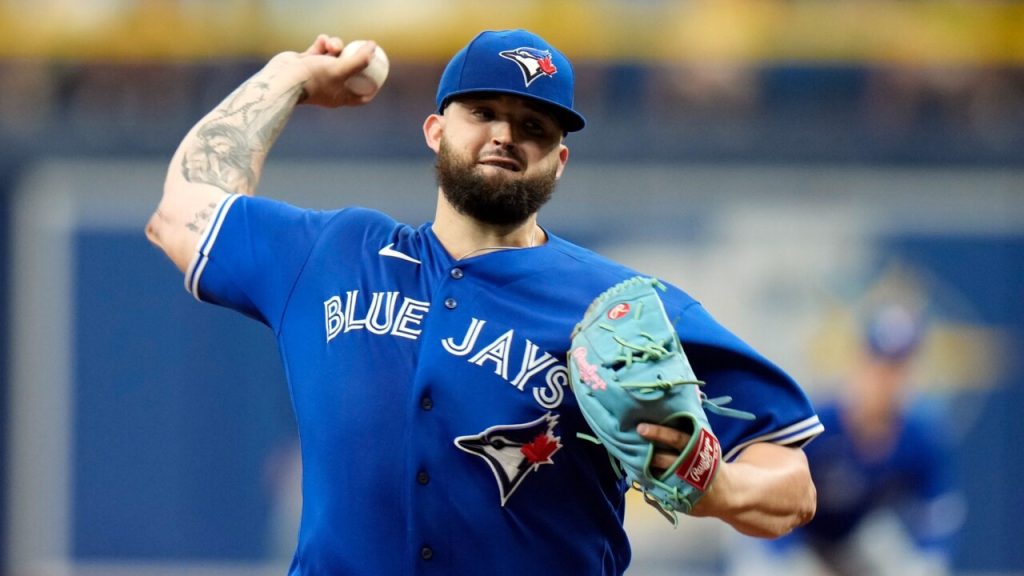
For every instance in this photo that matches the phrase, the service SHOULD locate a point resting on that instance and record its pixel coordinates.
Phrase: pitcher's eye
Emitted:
(483, 113)
(534, 127)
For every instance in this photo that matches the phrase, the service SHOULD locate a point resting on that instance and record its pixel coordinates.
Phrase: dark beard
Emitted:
(496, 200)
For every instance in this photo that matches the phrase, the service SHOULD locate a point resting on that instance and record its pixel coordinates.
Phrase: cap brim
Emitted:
(568, 119)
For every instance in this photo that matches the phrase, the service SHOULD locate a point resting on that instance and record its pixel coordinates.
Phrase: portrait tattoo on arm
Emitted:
(227, 151)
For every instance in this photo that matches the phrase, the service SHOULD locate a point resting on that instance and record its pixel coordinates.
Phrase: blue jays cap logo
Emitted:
(532, 62)
(480, 67)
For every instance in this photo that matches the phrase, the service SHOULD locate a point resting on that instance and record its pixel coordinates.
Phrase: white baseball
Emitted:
(373, 76)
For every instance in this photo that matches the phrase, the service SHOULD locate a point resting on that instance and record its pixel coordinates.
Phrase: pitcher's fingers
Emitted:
(662, 460)
(663, 435)
(325, 44)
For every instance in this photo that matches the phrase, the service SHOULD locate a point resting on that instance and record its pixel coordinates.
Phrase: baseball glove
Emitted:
(627, 366)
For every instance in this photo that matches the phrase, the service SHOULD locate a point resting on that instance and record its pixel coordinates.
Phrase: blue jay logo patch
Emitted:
(514, 451)
(532, 62)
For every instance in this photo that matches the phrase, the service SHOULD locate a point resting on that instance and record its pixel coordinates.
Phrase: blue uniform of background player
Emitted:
(426, 364)
(883, 456)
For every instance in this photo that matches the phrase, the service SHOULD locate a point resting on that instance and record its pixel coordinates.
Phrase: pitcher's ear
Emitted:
(433, 128)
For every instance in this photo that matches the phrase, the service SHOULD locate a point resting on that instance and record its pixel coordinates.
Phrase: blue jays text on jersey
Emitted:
(381, 318)
(438, 434)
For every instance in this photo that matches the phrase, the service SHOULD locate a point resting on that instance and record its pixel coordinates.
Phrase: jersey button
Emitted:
(423, 478)
(456, 273)
(450, 303)
(426, 403)
(426, 553)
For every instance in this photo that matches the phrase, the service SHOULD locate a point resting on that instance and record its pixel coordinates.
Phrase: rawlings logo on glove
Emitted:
(627, 367)
(699, 468)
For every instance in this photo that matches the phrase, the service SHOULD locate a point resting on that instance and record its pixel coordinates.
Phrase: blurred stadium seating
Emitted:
(877, 81)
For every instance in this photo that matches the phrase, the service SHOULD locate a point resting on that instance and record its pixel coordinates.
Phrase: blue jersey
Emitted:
(438, 429)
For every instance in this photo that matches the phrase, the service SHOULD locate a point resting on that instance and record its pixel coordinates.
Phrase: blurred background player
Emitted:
(888, 500)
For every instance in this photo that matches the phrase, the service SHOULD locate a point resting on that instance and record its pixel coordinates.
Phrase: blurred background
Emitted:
(787, 162)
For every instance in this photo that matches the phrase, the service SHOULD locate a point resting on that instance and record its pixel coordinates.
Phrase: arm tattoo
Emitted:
(227, 150)
(201, 219)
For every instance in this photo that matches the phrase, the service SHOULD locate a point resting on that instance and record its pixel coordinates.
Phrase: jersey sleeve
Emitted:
(731, 367)
(251, 254)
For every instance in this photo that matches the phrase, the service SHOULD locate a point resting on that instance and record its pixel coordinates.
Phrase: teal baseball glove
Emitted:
(627, 367)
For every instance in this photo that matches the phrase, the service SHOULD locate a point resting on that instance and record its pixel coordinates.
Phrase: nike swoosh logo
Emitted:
(390, 252)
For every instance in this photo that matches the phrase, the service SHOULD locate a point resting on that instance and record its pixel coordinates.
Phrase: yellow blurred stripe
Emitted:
(814, 31)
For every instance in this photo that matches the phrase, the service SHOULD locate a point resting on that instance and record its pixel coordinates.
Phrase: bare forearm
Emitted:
(766, 492)
(223, 153)
(228, 147)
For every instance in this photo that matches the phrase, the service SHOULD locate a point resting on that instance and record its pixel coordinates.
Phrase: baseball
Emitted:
(372, 78)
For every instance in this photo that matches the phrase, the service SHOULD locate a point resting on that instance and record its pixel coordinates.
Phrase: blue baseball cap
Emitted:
(513, 62)
(894, 332)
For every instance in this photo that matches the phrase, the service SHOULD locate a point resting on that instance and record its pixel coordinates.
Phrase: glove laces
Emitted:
(649, 351)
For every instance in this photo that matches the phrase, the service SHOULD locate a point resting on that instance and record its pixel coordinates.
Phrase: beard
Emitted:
(499, 199)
